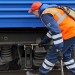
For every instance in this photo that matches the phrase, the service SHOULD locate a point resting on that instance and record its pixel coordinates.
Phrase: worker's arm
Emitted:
(53, 26)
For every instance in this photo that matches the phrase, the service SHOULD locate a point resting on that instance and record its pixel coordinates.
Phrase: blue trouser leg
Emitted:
(69, 61)
(51, 59)
(49, 62)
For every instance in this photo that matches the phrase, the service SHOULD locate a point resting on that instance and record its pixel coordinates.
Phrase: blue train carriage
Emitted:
(20, 32)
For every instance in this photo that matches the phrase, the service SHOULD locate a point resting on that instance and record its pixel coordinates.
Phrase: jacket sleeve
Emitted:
(53, 27)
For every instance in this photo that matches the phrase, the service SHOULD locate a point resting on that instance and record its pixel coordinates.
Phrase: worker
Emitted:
(62, 30)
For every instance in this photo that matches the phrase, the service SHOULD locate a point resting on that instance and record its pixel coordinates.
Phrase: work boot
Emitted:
(30, 73)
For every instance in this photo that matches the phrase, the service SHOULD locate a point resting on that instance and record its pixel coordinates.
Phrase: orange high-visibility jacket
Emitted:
(66, 23)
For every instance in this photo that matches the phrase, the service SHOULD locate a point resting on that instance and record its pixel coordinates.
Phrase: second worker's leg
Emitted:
(48, 64)
(49, 61)
(69, 61)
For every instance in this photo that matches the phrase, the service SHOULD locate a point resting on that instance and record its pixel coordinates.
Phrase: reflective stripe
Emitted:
(58, 41)
(48, 62)
(50, 68)
(48, 34)
(61, 17)
(45, 66)
(69, 62)
(71, 66)
(57, 36)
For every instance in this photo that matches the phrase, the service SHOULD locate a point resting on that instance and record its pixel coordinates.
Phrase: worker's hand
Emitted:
(41, 44)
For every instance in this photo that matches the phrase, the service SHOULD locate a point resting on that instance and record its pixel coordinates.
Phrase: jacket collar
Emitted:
(45, 6)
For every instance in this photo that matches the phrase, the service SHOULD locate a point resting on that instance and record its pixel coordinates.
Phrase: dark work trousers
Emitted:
(51, 57)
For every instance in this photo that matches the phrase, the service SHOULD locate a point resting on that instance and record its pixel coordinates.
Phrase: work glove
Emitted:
(45, 40)
(41, 44)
